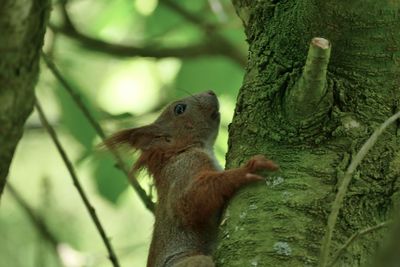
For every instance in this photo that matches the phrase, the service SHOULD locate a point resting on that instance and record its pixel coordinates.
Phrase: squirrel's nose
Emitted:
(211, 92)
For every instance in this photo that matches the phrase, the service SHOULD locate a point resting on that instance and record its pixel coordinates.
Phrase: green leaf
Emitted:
(72, 118)
(109, 180)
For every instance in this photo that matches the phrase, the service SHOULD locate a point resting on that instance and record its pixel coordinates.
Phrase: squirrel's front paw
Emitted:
(259, 162)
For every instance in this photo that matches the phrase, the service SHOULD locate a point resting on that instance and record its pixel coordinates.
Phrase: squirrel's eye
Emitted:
(179, 109)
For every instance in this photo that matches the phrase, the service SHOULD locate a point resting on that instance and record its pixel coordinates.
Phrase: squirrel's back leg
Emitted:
(196, 261)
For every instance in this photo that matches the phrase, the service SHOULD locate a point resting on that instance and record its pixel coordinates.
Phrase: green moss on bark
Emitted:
(22, 24)
(282, 223)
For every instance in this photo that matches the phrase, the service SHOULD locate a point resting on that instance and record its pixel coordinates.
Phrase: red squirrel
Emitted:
(192, 188)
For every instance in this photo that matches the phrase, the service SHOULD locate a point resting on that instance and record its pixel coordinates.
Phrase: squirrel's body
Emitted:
(177, 150)
(171, 239)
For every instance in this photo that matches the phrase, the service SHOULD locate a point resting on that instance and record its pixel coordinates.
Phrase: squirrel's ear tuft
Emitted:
(140, 138)
(119, 138)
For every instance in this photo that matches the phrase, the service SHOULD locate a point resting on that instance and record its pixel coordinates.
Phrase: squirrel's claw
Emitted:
(260, 162)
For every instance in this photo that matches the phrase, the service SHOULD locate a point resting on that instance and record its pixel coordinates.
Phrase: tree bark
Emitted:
(22, 27)
(282, 222)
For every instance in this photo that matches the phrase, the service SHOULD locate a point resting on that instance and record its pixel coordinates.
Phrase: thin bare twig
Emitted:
(35, 218)
(92, 212)
(354, 237)
(77, 99)
(337, 203)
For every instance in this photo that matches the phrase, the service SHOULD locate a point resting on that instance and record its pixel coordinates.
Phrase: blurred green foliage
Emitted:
(120, 92)
(218, 74)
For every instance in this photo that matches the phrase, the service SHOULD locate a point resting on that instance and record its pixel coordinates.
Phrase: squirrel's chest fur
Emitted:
(172, 237)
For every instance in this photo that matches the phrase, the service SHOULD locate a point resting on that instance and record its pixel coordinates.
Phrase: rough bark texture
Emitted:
(281, 222)
(22, 27)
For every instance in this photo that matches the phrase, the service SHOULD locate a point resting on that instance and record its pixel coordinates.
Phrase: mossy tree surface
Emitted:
(22, 27)
(281, 222)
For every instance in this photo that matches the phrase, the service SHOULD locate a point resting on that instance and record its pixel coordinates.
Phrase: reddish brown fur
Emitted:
(210, 190)
(192, 189)
(155, 159)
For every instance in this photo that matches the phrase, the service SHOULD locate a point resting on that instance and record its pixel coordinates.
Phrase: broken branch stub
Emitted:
(306, 97)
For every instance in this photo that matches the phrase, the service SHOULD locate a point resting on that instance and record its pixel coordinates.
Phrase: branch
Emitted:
(306, 96)
(190, 17)
(36, 219)
(213, 45)
(337, 203)
(22, 27)
(226, 47)
(71, 170)
(354, 237)
(75, 96)
(190, 51)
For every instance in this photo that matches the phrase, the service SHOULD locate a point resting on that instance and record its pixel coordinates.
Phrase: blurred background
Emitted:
(125, 59)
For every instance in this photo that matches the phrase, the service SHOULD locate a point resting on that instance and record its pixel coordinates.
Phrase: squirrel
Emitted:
(192, 188)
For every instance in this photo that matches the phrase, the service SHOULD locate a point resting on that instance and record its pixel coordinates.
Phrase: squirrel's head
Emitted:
(185, 122)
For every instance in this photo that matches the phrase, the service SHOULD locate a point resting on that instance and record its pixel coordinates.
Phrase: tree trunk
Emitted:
(282, 222)
(22, 27)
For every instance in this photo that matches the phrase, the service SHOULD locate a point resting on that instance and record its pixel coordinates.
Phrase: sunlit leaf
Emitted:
(107, 19)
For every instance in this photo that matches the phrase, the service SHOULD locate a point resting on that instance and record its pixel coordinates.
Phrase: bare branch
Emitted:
(35, 218)
(71, 170)
(77, 99)
(213, 45)
(190, 17)
(22, 27)
(225, 46)
(306, 97)
(353, 237)
(190, 51)
(337, 203)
